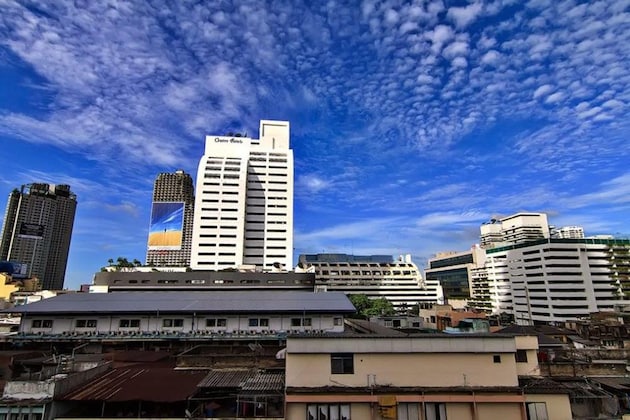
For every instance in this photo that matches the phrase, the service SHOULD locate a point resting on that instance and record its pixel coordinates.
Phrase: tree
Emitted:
(367, 307)
(122, 264)
(380, 307)
(360, 302)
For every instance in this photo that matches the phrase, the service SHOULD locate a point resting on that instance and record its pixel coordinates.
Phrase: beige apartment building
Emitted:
(418, 377)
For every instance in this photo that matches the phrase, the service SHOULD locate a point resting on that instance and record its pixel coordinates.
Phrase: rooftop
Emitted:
(188, 302)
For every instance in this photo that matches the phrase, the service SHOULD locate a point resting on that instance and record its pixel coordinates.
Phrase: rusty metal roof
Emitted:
(247, 380)
(139, 384)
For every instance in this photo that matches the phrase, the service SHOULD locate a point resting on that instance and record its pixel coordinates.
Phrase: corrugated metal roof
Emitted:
(264, 381)
(188, 302)
(135, 384)
(225, 378)
(250, 380)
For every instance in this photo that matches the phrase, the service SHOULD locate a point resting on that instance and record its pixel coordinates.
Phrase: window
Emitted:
(435, 411)
(342, 363)
(258, 322)
(337, 321)
(408, 411)
(216, 322)
(42, 323)
(537, 411)
(85, 323)
(129, 323)
(21, 413)
(496, 358)
(521, 356)
(173, 323)
(328, 412)
(301, 322)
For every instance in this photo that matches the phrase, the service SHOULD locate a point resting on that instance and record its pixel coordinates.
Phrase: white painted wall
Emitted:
(155, 322)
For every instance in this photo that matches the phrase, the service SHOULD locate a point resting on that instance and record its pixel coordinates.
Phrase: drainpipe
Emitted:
(523, 407)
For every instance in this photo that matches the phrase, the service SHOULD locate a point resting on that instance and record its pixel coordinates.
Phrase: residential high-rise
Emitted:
(244, 205)
(170, 234)
(37, 230)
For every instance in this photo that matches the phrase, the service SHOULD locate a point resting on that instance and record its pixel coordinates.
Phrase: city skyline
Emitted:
(37, 231)
(411, 124)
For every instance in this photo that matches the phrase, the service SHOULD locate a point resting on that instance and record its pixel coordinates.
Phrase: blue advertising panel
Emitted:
(167, 221)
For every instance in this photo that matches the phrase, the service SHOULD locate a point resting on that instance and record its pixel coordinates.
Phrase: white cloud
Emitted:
(613, 103)
(459, 62)
(554, 97)
(423, 88)
(425, 79)
(439, 36)
(391, 17)
(464, 16)
(455, 49)
(543, 91)
(312, 183)
(613, 191)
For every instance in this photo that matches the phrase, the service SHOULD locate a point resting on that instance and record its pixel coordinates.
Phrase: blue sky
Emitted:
(412, 122)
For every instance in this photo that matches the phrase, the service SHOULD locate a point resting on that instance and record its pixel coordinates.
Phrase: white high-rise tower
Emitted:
(244, 201)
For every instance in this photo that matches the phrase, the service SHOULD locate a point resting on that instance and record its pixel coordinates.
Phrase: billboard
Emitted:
(31, 230)
(167, 222)
(16, 269)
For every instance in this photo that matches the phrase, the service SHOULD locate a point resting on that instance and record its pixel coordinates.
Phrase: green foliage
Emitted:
(122, 263)
(367, 307)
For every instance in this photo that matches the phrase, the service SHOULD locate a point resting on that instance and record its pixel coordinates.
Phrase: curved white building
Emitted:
(376, 276)
(244, 204)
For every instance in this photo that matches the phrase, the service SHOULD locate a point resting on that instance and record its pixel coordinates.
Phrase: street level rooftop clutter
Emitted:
(140, 384)
(224, 302)
(253, 380)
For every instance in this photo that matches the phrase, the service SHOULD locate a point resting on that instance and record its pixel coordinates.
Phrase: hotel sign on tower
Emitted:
(244, 206)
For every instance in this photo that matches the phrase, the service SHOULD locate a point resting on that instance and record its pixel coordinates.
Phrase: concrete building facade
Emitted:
(174, 187)
(515, 229)
(553, 280)
(491, 289)
(37, 231)
(193, 316)
(244, 201)
(568, 232)
(376, 276)
(452, 270)
(418, 377)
